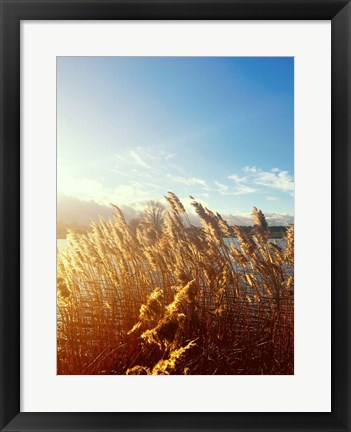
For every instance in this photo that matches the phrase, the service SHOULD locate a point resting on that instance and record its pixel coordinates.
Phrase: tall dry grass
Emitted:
(171, 298)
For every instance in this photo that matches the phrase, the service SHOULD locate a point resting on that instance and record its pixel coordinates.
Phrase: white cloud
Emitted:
(243, 189)
(221, 187)
(128, 193)
(240, 187)
(245, 219)
(248, 169)
(190, 181)
(127, 188)
(274, 219)
(135, 191)
(72, 210)
(237, 179)
(138, 159)
(145, 163)
(271, 198)
(273, 179)
(82, 187)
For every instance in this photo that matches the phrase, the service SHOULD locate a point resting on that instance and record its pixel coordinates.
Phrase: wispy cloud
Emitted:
(275, 179)
(258, 180)
(237, 178)
(243, 189)
(241, 186)
(138, 159)
(189, 181)
(222, 188)
(142, 161)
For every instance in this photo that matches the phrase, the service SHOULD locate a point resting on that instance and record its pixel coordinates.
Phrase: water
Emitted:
(62, 244)
(279, 242)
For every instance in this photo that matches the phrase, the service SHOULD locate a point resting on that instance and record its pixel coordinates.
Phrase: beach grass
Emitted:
(166, 297)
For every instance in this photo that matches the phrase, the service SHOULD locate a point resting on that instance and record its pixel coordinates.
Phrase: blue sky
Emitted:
(221, 129)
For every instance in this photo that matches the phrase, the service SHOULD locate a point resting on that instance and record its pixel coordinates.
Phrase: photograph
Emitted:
(175, 215)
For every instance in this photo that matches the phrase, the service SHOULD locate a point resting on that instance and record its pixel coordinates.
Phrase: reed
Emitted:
(171, 298)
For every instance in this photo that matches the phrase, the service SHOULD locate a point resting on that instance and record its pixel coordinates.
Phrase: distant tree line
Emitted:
(275, 232)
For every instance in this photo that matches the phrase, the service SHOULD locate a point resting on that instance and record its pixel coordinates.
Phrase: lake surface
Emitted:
(62, 244)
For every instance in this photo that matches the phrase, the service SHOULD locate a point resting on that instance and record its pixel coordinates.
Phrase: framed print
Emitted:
(129, 166)
(174, 215)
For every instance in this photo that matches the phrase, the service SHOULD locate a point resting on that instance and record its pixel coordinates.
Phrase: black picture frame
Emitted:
(12, 12)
